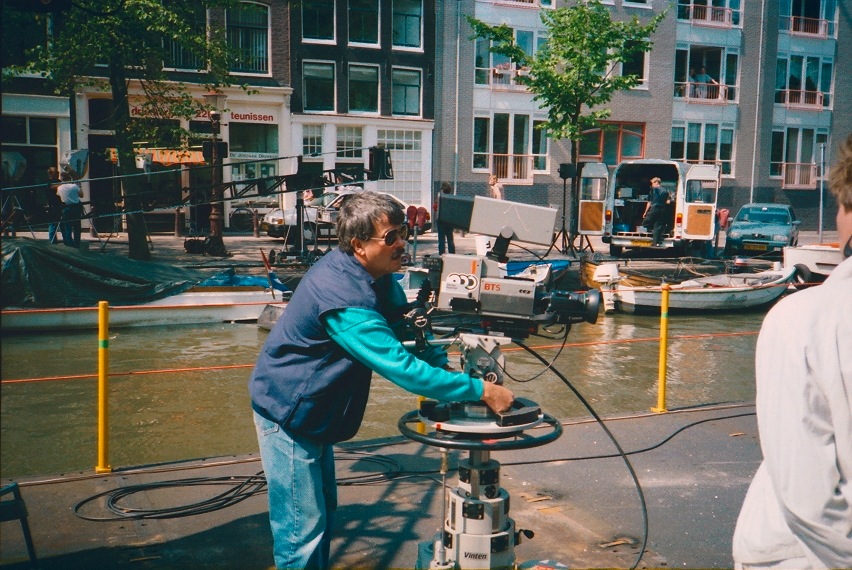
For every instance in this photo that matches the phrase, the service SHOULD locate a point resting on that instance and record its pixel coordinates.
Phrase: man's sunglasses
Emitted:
(391, 236)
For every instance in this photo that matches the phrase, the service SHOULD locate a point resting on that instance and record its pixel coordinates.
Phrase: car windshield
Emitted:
(763, 215)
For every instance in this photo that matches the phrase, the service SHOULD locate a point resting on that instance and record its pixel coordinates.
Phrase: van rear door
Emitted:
(594, 183)
(701, 191)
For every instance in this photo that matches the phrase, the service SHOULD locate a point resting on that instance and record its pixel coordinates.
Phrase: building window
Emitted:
(706, 74)
(407, 23)
(539, 146)
(809, 18)
(794, 155)
(704, 143)
(406, 149)
(364, 21)
(509, 146)
(405, 89)
(318, 20)
(363, 89)
(718, 13)
(614, 143)
(312, 141)
(249, 142)
(318, 83)
(248, 36)
(350, 142)
(497, 70)
(636, 64)
(803, 82)
(29, 149)
(178, 56)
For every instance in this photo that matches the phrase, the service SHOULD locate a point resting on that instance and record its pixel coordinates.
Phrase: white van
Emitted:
(612, 205)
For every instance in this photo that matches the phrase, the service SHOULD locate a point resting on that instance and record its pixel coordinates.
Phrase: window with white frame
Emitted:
(704, 143)
(510, 145)
(407, 23)
(312, 141)
(405, 92)
(795, 154)
(318, 20)
(363, 88)
(719, 13)
(496, 69)
(318, 86)
(804, 81)
(719, 80)
(636, 64)
(248, 37)
(808, 17)
(364, 21)
(350, 142)
(406, 150)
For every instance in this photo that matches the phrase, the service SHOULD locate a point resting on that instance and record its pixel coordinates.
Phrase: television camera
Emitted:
(478, 533)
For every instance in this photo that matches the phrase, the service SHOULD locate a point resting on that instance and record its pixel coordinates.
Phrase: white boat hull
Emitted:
(718, 293)
(820, 259)
(187, 308)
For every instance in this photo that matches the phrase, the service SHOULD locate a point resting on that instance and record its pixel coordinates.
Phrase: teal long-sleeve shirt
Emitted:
(366, 335)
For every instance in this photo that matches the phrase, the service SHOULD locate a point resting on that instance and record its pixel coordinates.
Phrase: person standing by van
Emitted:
(657, 211)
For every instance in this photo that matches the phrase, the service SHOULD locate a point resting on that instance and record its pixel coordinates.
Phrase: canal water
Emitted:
(187, 398)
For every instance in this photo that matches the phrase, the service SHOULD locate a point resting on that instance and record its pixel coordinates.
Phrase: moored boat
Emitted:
(813, 262)
(715, 293)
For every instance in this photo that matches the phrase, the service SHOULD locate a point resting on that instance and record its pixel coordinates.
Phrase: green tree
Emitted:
(113, 44)
(575, 73)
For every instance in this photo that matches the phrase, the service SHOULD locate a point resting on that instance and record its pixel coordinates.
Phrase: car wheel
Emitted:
(616, 250)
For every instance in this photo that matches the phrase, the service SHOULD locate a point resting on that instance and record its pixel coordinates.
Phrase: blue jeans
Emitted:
(302, 495)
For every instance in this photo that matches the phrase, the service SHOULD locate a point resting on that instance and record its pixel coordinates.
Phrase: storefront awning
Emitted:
(166, 156)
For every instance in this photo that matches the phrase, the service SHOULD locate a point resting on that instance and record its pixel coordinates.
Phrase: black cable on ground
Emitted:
(621, 453)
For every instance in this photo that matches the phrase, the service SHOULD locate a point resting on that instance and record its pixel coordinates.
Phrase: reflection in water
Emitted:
(50, 426)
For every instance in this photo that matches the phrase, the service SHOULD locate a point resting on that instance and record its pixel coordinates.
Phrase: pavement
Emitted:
(575, 494)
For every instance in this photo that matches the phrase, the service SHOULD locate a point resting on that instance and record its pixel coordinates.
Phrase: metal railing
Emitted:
(799, 99)
(512, 167)
(801, 26)
(501, 78)
(714, 16)
(705, 93)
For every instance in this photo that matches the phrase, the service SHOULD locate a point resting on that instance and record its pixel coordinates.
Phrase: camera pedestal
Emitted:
(477, 532)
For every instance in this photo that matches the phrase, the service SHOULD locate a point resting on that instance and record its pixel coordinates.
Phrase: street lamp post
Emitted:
(215, 101)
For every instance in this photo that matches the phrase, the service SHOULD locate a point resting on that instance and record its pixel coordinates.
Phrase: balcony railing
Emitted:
(713, 16)
(799, 175)
(806, 27)
(512, 167)
(706, 93)
(805, 100)
(501, 78)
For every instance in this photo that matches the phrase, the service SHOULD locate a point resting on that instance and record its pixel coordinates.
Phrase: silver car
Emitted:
(319, 218)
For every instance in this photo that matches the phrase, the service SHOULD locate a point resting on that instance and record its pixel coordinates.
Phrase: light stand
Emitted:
(216, 100)
(566, 171)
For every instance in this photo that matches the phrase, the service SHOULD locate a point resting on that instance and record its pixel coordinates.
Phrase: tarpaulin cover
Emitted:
(38, 274)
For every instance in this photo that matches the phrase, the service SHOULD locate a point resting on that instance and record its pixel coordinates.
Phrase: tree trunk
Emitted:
(137, 234)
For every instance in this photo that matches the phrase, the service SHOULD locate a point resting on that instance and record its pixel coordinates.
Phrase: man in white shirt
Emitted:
(798, 511)
(72, 213)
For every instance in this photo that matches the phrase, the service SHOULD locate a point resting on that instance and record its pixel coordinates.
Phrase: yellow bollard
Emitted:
(421, 427)
(103, 389)
(664, 345)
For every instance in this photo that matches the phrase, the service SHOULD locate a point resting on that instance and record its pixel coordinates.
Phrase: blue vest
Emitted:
(303, 380)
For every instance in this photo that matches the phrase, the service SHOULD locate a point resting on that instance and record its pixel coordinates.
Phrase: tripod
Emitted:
(17, 212)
